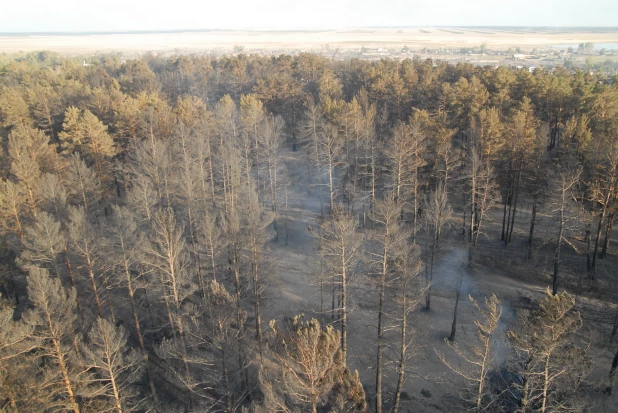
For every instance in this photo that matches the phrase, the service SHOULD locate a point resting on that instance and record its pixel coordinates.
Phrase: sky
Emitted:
(135, 15)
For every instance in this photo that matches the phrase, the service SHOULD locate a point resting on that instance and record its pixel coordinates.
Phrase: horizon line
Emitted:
(283, 30)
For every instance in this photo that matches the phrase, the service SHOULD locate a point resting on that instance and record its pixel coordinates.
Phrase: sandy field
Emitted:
(191, 42)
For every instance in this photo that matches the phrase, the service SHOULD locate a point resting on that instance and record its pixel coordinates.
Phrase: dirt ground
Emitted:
(294, 289)
(195, 41)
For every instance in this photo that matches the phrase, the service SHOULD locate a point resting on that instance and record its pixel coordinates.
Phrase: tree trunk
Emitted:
(256, 298)
(344, 309)
(414, 225)
(472, 198)
(72, 279)
(514, 206)
(403, 348)
(588, 255)
(608, 232)
(138, 330)
(506, 202)
(558, 247)
(596, 242)
(546, 381)
(97, 299)
(614, 329)
(612, 373)
(60, 356)
(378, 408)
(532, 223)
(429, 259)
(557, 264)
(457, 295)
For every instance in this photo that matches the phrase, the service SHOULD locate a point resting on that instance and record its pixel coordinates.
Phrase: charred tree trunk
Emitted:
(402, 352)
(614, 329)
(608, 232)
(588, 255)
(596, 242)
(457, 295)
(378, 407)
(612, 374)
(532, 223)
(507, 201)
(557, 253)
(515, 196)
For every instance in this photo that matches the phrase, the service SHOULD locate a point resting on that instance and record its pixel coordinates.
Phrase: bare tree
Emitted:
(312, 128)
(271, 142)
(604, 193)
(438, 216)
(341, 243)
(31, 155)
(142, 199)
(252, 117)
(389, 238)
(227, 333)
(480, 176)
(123, 240)
(400, 154)
(254, 231)
(115, 368)
(51, 191)
(330, 147)
(12, 203)
(476, 359)
(233, 227)
(313, 366)
(165, 253)
(549, 363)
(52, 320)
(409, 290)
(418, 148)
(43, 243)
(209, 231)
(189, 197)
(567, 180)
(16, 342)
(84, 185)
(85, 243)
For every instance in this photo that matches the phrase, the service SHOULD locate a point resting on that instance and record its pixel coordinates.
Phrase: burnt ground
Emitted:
(502, 270)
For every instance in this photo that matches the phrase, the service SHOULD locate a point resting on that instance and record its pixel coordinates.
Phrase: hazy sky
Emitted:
(113, 15)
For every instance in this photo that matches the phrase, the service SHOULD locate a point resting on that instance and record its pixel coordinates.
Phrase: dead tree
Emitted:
(409, 290)
(314, 371)
(330, 146)
(123, 239)
(52, 319)
(438, 216)
(312, 129)
(566, 183)
(388, 239)
(115, 368)
(341, 244)
(271, 142)
(85, 243)
(548, 361)
(476, 358)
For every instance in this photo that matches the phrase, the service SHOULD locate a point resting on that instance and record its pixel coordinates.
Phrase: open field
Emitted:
(196, 41)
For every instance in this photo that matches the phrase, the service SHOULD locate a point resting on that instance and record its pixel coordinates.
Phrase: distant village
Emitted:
(585, 56)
